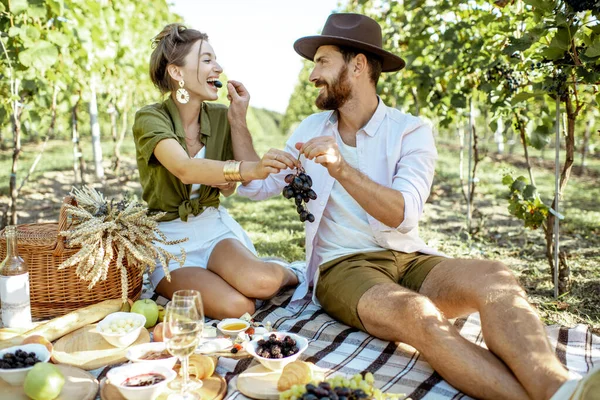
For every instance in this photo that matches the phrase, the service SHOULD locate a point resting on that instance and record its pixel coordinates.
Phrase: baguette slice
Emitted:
(60, 326)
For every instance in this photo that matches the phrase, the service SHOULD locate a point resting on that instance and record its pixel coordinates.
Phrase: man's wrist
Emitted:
(344, 171)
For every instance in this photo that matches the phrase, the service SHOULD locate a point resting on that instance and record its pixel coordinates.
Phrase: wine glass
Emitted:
(195, 297)
(180, 331)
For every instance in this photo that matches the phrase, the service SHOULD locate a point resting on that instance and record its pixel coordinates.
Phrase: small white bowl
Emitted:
(135, 352)
(117, 376)
(16, 376)
(121, 339)
(229, 321)
(277, 364)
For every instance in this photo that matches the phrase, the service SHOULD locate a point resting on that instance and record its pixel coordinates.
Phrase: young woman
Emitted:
(186, 149)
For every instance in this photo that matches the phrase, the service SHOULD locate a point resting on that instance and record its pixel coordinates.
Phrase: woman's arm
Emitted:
(210, 172)
(243, 149)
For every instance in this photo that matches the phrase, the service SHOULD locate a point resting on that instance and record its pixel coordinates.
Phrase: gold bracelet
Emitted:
(231, 171)
(227, 170)
(239, 171)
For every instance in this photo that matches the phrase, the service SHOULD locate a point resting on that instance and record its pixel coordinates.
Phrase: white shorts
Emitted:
(204, 232)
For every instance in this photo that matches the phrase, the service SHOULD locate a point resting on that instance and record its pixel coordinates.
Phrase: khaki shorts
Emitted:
(343, 281)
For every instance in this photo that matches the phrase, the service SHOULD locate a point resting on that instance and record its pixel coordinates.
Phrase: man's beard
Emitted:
(337, 93)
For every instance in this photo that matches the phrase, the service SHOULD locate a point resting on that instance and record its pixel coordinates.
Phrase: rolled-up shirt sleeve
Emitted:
(414, 173)
(149, 128)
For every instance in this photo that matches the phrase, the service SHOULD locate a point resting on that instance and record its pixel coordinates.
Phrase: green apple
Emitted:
(43, 382)
(161, 313)
(148, 309)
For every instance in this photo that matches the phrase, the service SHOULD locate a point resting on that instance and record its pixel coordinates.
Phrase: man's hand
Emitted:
(240, 99)
(324, 150)
(226, 188)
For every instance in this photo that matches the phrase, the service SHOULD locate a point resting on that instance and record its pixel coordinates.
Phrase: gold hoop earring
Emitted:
(182, 95)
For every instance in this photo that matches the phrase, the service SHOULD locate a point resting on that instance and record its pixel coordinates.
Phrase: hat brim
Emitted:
(307, 48)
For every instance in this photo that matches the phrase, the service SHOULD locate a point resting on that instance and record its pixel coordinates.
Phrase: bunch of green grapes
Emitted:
(339, 388)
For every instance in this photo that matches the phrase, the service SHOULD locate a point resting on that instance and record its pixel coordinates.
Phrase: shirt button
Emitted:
(322, 203)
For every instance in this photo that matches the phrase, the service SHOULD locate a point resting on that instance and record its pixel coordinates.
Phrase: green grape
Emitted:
(364, 386)
(298, 390)
(369, 378)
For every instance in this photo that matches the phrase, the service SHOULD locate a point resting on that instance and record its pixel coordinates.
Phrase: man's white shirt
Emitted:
(394, 149)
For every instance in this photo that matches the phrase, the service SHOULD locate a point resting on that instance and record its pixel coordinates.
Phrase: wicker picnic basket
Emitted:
(53, 292)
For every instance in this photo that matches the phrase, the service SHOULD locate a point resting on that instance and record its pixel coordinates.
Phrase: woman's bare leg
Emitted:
(219, 298)
(245, 272)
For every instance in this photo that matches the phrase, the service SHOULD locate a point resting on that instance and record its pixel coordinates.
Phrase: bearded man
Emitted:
(372, 167)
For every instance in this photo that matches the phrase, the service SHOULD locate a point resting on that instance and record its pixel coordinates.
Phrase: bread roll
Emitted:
(295, 373)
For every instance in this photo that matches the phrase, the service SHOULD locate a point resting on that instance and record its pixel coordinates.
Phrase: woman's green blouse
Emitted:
(162, 190)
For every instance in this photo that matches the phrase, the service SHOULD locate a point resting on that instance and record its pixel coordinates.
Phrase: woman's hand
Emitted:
(240, 99)
(274, 161)
(227, 188)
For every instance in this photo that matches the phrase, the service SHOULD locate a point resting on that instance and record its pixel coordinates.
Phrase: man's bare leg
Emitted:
(391, 312)
(511, 328)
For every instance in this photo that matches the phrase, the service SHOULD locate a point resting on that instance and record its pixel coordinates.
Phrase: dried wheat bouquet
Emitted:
(101, 227)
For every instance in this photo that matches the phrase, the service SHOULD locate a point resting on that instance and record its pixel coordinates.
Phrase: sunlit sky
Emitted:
(253, 40)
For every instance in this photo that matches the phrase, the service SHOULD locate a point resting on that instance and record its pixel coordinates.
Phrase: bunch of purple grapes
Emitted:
(299, 188)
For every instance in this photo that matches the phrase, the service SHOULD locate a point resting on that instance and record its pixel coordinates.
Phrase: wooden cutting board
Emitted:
(213, 388)
(260, 383)
(225, 349)
(85, 348)
(79, 384)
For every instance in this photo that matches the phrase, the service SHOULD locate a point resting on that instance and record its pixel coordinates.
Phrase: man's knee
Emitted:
(409, 318)
(497, 282)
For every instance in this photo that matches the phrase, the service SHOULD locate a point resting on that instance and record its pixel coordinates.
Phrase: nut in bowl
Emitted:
(277, 349)
(151, 353)
(15, 362)
(120, 329)
(140, 381)
(232, 326)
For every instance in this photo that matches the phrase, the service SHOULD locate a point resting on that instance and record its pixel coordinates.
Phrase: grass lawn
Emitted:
(275, 229)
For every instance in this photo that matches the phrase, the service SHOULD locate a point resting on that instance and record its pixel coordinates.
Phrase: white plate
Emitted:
(214, 345)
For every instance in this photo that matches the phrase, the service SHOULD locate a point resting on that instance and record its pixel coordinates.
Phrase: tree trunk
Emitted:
(585, 148)
(16, 127)
(521, 128)
(124, 116)
(563, 272)
(413, 92)
(474, 180)
(95, 126)
(461, 160)
(499, 136)
(78, 163)
(49, 135)
(112, 111)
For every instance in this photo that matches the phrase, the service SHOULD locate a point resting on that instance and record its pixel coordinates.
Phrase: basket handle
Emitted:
(62, 225)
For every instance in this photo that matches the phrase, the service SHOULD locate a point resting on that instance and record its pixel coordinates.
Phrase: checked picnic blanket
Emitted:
(397, 368)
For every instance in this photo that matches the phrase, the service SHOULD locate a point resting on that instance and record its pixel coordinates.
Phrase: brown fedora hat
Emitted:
(352, 30)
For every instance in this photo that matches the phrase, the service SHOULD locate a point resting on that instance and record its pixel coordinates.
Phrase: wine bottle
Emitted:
(14, 285)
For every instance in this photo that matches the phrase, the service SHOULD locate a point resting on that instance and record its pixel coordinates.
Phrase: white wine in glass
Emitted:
(181, 327)
(195, 297)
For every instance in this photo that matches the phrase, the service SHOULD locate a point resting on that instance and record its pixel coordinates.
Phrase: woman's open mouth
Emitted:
(214, 83)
